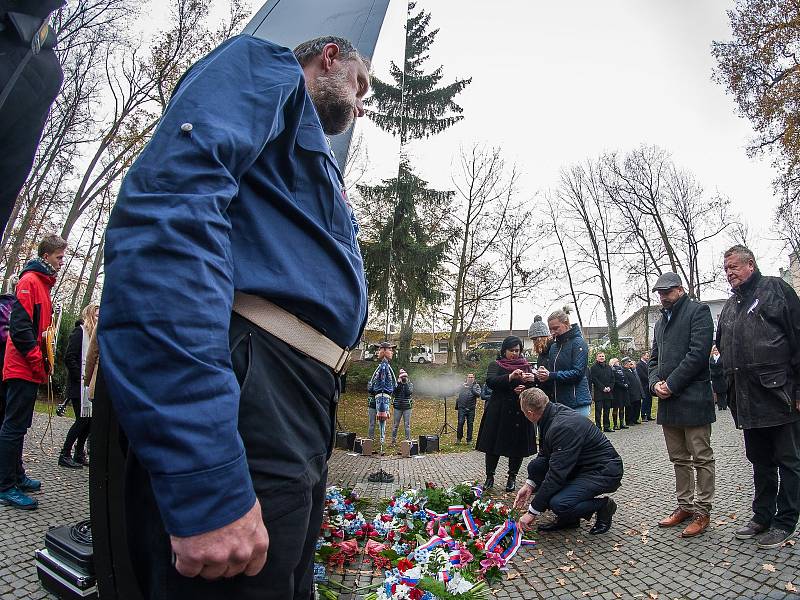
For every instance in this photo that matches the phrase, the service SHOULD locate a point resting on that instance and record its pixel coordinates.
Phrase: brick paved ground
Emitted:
(635, 560)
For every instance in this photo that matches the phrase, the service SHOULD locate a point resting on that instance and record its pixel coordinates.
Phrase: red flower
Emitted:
(413, 507)
(504, 510)
(480, 545)
(386, 518)
(350, 516)
(404, 565)
(415, 594)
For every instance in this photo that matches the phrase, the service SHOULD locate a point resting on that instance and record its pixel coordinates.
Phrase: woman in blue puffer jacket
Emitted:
(568, 358)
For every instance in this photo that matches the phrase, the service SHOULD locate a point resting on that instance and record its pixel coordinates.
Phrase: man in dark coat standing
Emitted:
(759, 339)
(679, 376)
(647, 397)
(575, 465)
(602, 380)
(467, 399)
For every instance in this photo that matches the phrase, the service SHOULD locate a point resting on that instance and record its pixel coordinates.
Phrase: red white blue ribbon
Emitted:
(508, 528)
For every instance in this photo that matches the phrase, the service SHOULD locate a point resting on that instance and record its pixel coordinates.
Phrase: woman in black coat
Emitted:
(504, 430)
(620, 402)
(75, 361)
(718, 383)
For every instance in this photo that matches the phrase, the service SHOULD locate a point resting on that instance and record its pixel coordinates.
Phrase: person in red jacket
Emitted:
(24, 368)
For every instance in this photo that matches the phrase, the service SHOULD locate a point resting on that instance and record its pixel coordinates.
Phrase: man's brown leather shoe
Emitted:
(698, 525)
(677, 517)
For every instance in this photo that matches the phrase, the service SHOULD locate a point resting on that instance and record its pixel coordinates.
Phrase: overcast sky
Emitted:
(558, 82)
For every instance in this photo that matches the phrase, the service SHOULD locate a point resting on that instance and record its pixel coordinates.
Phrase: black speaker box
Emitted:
(60, 543)
(62, 579)
(345, 440)
(428, 443)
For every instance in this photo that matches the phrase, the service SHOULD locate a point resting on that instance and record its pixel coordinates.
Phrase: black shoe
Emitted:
(623, 427)
(608, 430)
(67, 461)
(510, 484)
(81, 459)
(489, 482)
(603, 521)
(558, 525)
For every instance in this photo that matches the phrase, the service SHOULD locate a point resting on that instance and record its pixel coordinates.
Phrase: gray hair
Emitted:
(306, 51)
(743, 252)
(561, 316)
(533, 399)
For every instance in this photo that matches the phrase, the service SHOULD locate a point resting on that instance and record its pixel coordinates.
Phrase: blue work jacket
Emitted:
(236, 190)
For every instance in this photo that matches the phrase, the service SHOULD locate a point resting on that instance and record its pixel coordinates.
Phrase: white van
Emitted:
(421, 354)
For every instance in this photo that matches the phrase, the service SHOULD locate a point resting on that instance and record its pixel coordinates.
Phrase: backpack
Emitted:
(6, 303)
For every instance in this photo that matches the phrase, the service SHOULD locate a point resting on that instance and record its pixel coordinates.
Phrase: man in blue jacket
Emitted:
(234, 289)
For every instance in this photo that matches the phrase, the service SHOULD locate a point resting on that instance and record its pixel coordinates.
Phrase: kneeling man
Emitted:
(576, 463)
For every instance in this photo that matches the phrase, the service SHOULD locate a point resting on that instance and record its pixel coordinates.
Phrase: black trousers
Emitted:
(647, 407)
(20, 401)
(602, 411)
(468, 415)
(78, 432)
(722, 400)
(632, 412)
(775, 451)
(24, 113)
(514, 463)
(287, 414)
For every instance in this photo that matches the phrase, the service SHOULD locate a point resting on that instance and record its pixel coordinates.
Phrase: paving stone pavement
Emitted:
(635, 559)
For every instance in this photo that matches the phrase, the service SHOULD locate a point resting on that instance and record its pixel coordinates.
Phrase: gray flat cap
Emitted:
(667, 281)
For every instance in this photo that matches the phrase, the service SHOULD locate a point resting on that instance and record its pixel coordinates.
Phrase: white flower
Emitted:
(458, 584)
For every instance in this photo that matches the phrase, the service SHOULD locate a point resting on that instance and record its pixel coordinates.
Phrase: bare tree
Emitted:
(484, 191)
(583, 212)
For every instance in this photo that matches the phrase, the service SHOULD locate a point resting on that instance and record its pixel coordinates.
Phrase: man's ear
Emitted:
(330, 53)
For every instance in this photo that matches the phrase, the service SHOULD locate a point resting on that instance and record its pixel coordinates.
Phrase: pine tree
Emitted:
(407, 237)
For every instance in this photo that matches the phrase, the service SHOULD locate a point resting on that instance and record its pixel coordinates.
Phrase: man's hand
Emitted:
(661, 390)
(523, 497)
(529, 377)
(519, 389)
(526, 521)
(239, 547)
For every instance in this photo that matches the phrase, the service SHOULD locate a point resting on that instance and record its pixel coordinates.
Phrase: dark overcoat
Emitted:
(681, 346)
(504, 430)
(759, 340)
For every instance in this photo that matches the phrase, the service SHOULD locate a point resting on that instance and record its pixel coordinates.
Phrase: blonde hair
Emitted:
(562, 316)
(88, 314)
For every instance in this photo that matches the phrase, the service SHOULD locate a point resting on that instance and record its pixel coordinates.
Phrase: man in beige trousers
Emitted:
(679, 376)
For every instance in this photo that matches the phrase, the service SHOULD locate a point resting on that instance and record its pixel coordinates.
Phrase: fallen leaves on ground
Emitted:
(652, 595)
(567, 568)
(790, 587)
(512, 576)
(769, 567)
(789, 543)
(617, 572)
(571, 552)
(562, 582)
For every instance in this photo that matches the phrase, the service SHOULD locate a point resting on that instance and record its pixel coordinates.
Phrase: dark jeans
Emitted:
(468, 415)
(775, 451)
(514, 463)
(287, 413)
(578, 498)
(24, 113)
(602, 411)
(20, 400)
(722, 400)
(632, 412)
(647, 407)
(78, 432)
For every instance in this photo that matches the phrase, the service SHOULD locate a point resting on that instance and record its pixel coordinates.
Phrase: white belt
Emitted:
(288, 328)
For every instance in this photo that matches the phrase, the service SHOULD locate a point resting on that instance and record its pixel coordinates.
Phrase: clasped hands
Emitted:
(662, 390)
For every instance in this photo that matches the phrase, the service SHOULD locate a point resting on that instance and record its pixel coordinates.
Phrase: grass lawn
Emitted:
(427, 417)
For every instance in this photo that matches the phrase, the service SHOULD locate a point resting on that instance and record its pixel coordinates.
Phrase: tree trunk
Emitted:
(95, 271)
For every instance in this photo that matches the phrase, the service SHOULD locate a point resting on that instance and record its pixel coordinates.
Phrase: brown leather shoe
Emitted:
(677, 517)
(698, 525)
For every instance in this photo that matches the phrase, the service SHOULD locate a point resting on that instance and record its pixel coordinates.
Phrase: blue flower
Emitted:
(320, 575)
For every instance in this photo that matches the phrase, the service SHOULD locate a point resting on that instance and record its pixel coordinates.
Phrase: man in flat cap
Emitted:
(679, 376)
